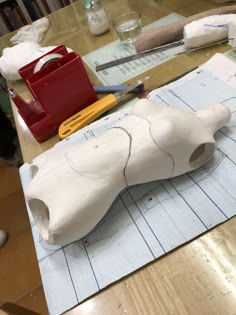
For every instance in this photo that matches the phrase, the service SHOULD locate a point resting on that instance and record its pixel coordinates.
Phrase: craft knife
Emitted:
(93, 111)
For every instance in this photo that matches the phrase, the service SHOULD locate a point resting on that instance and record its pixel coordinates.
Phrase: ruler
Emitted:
(145, 53)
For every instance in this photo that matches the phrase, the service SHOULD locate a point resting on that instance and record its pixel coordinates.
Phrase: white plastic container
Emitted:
(96, 17)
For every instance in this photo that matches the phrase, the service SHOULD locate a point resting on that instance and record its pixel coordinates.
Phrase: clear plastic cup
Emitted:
(128, 26)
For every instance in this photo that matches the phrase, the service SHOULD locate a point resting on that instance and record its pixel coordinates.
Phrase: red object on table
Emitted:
(60, 89)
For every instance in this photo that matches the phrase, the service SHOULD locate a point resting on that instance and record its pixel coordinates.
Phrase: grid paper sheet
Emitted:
(129, 70)
(149, 220)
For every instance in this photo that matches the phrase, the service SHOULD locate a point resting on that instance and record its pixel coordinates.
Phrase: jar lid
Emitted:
(91, 3)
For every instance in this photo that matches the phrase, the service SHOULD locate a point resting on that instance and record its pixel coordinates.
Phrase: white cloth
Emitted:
(207, 30)
(13, 58)
(31, 33)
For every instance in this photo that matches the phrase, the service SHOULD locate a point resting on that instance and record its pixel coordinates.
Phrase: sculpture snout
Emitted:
(215, 116)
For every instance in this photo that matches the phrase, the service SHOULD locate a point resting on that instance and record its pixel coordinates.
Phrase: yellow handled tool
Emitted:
(93, 111)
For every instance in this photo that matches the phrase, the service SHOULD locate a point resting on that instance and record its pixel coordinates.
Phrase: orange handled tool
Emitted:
(93, 111)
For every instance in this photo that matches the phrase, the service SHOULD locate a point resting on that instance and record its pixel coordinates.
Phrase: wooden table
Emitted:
(198, 278)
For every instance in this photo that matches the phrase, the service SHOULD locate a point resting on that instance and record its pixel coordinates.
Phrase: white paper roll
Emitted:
(46, 60)
(207, 30)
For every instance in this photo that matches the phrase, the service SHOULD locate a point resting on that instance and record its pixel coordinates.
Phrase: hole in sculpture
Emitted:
(41, 215)
(33, 171)
(202, 154)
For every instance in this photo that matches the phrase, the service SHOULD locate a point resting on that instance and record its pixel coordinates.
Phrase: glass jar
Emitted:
(96, 17)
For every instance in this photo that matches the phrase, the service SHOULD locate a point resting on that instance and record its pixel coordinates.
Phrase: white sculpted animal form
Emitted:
(71, 190)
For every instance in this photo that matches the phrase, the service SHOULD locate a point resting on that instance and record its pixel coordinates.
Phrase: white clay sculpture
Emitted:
(71, 190)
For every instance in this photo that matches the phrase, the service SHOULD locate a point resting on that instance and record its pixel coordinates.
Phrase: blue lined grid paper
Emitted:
(145, 221)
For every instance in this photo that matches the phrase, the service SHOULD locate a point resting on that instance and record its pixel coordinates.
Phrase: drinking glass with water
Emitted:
(128, 27)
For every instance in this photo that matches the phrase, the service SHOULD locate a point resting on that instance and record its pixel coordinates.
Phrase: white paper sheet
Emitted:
(115, 50)
(145, 221)
(223, 68)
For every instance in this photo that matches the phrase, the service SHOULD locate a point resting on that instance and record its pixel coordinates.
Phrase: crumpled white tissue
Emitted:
(31, 33)
(13, 58)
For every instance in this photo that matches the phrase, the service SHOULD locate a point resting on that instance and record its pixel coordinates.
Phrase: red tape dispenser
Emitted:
(60, 87)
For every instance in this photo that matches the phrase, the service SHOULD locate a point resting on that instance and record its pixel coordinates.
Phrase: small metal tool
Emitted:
(104, 89)
(93, 111)
(159, 49)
